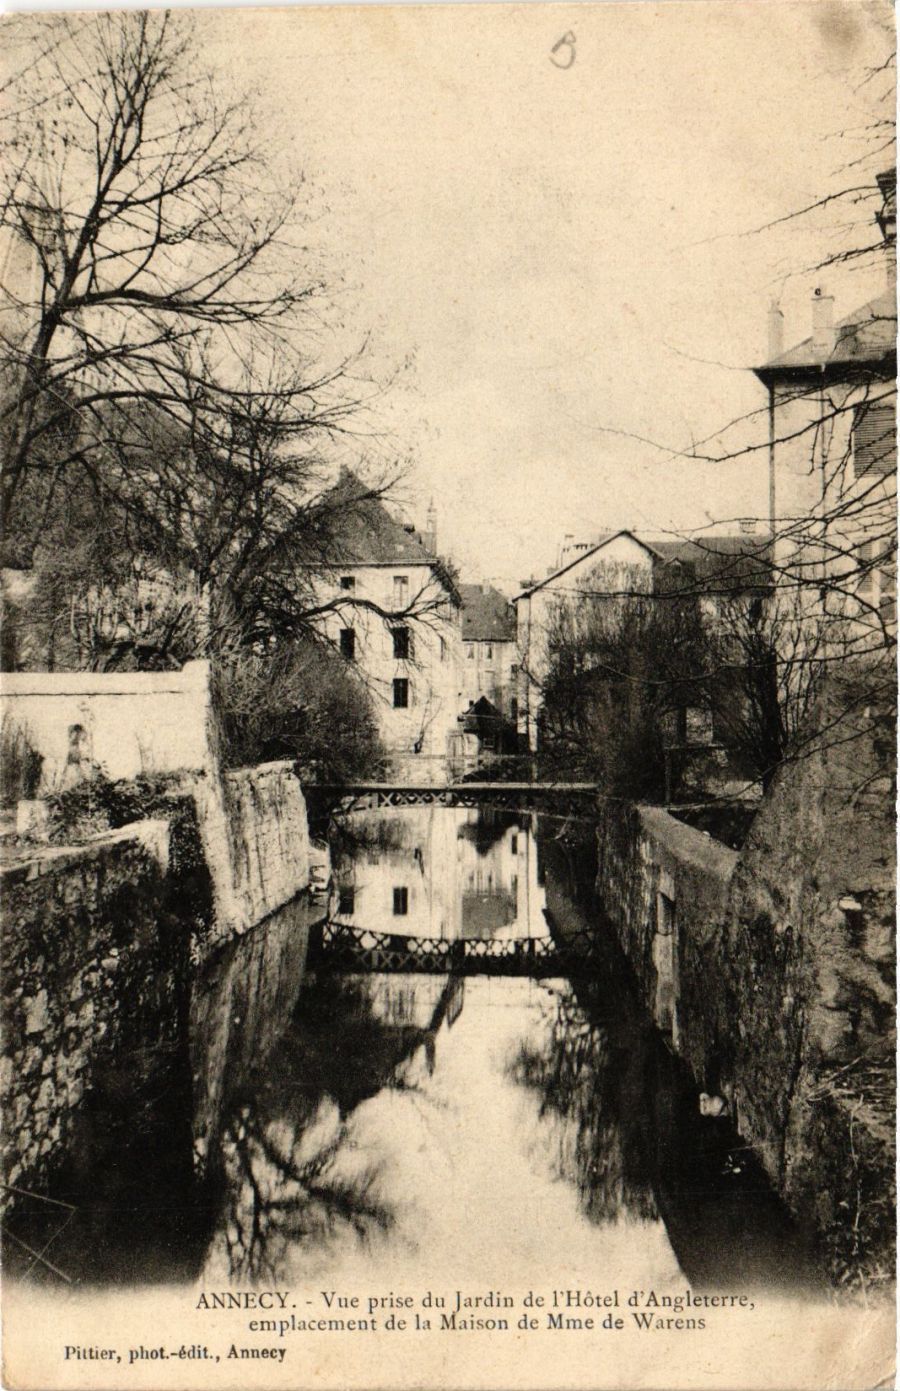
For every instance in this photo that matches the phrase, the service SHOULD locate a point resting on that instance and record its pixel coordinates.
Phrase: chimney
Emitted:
(776, 331)
(430, 537)
(823, 334)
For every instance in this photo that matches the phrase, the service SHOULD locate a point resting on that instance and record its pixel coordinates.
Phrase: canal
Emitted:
(339, 1128)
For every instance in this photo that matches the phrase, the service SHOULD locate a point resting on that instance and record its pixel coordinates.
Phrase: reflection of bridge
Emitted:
(342, 947)
(568, 797)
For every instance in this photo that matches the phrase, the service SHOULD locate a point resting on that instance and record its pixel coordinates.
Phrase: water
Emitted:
(374, 1129)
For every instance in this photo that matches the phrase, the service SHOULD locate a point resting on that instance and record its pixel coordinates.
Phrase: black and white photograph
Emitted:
(448, 720)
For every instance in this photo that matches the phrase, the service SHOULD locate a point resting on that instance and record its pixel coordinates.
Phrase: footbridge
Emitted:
(569, 798)
(340, 946)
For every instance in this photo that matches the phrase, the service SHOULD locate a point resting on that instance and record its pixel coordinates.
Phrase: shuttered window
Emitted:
(875, 439)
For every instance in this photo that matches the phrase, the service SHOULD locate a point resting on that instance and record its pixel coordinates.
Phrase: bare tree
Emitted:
(147, 251)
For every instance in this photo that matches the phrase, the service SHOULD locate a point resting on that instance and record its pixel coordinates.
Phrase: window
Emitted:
(401, 902)
(401, 643)
(346, 901)
(348, 582)
(401, 693)
(401, 592)
(875, 439)
(489, 653)
(514, 844)
(470, 650)
(514, 709)
(348, 643)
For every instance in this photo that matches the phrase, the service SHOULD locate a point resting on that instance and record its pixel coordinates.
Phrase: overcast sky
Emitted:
(561, 253)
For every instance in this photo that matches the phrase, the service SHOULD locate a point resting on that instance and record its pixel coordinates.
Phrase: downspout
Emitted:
(772, 462)
(823, 464)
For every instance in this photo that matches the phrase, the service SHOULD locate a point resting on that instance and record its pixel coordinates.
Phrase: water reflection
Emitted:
(296, 1178)
(438, 872)
(418, 1123)
(380, 1127)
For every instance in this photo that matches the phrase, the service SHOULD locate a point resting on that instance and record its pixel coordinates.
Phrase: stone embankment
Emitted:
(103, 939)
(772, 971)
(91, 965)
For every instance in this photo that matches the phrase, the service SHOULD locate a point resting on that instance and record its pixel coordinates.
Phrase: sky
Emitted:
(555, 266)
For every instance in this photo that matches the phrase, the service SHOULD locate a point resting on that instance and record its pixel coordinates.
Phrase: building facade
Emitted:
(489, 648)
(395, 617)
(832, 412)
(618, 568)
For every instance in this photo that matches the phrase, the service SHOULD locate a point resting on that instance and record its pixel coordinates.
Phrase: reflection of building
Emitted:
(397, 620)
(441, 872)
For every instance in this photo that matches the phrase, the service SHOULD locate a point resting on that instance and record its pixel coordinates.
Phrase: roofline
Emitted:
(884, 366)
(381, 564)
(645, 545)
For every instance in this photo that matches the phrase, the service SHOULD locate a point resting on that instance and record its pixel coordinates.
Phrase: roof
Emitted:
(740, 561)
(727, 561)
(606, 537)
(369, 535)
(865, 338)
(487, 615)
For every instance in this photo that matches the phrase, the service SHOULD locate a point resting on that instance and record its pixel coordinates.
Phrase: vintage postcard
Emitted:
(449, 697)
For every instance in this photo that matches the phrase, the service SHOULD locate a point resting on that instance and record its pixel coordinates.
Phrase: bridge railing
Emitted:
(344, 946)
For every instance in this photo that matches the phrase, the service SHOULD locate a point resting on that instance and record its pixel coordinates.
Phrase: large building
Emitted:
(833, 452)
(612, 570)
(395, 617)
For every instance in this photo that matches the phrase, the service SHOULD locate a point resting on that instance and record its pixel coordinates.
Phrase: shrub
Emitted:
(20, 764)
(301, 701)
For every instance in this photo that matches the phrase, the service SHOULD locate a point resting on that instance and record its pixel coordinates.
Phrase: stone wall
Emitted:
(255, 835)
(808, 973)
(93, 970)
(124, 723)
(663, 886)
(772, 970)
(100, 939)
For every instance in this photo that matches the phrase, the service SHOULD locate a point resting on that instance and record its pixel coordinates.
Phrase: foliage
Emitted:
(621, 669)
(20, 763)
(118, 802)
(302, 701)
(168, 408)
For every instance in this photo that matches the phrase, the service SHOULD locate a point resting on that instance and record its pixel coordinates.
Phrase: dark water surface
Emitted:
(334, 1127)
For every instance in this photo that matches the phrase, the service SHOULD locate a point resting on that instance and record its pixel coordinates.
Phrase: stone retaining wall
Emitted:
(772, 971)
(255, 835)
(92, 969)
(663, 886)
